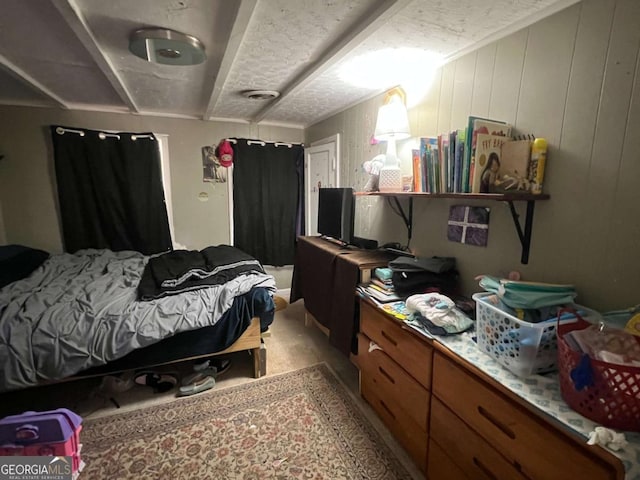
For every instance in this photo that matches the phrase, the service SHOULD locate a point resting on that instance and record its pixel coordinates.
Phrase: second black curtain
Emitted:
(267, 199)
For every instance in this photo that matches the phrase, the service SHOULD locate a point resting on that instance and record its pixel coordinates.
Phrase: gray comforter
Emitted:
(80, 311)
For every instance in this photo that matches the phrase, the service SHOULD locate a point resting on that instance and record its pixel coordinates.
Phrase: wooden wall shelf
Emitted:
(523, 231)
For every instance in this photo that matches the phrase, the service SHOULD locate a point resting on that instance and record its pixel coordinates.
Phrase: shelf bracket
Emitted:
(524, 236)
(408, 219)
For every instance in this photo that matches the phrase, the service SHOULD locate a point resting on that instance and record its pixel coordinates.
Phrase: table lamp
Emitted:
(392, 124)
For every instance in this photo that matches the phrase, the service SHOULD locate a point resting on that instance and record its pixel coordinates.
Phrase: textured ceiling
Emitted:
(73, 54)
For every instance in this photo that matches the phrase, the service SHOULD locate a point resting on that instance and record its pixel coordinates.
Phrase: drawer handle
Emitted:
(393, 342)
(387, 409)
(519, 468)
(484, 469)
(389, 377)
(498, 424)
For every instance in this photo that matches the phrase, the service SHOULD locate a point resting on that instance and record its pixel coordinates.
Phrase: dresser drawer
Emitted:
(476, 458)
(403, 428)
(393, 385)
(441, 467)
(533, 446)
(410, 353)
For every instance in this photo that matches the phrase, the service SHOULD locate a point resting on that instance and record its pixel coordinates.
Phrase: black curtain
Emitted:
(268, 182)
(110, 191)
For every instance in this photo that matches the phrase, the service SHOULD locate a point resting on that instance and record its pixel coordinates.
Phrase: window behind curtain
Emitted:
(268, 182)
(110, 191)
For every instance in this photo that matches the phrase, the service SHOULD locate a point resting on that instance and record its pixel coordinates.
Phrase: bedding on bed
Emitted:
(180, 271)
(80, 311)
(203, 341)
(18, 262)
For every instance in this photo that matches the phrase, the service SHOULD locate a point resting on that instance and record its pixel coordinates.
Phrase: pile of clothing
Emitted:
(532, 302)
(437, 313)
(411, 275)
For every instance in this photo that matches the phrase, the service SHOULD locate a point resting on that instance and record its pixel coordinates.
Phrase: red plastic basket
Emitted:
(612, 398)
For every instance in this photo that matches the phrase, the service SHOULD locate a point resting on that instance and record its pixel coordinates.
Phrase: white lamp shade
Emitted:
(393, 121)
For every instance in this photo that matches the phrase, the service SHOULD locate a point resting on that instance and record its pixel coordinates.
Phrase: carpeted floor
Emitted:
(301, 424)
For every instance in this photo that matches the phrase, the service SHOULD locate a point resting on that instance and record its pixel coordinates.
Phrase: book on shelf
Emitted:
(514, 166)
(477, 125)
(487, 163)
(429, 159)
(424, 171)
(435, 166)
(443, 161)
(451, 163)
(458, 159)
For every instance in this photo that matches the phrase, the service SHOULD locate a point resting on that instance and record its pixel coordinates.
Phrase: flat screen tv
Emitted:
(336, 210)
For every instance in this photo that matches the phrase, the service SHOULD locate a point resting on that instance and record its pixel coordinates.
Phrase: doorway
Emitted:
(322, 169)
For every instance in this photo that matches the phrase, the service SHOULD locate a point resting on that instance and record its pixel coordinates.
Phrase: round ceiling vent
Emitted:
(261, 94)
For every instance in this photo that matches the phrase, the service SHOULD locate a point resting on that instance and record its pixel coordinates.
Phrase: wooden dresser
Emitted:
(458, 423)
(395, 378)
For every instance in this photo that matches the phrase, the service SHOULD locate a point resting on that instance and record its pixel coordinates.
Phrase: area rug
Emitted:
(302, 424)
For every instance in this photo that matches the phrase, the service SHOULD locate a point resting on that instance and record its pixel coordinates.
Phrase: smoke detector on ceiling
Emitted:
(261, 94)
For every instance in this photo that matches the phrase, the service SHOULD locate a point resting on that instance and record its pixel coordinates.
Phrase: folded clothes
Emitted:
(440, 311)
(383, 273)
(528, 295)
(435, 329)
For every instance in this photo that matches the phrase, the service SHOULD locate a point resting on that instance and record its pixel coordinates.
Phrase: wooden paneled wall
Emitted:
(571, 78)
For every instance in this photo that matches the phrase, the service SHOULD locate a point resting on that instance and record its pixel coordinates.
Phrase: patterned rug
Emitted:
(302, 424)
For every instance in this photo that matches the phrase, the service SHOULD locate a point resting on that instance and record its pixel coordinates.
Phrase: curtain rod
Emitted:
(101, 135)
(264, 142)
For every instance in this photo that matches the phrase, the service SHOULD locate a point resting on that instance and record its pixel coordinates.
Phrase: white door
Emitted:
(322, 162)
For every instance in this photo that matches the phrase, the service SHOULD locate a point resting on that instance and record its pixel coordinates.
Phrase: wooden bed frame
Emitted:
(250, 340)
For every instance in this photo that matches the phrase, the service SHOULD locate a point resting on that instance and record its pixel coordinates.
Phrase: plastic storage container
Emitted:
(611, 394)
(51, 433)
(522, 347)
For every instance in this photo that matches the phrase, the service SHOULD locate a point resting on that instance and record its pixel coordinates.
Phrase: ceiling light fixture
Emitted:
(167, 47)
(411, 68)
(261, 94)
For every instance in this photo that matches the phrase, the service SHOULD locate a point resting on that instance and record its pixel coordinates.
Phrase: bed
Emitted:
(84, 314)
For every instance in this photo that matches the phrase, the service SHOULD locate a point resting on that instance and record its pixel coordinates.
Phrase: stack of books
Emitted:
(379, 289)
(378, 293)
(484, 157)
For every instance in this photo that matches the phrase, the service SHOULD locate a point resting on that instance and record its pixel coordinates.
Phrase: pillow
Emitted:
(18, 262)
